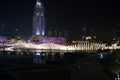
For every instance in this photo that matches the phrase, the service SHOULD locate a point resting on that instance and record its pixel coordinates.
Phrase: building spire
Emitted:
(38, 3)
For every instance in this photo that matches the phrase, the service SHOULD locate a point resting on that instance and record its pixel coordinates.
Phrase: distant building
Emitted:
(3, 29)
(7, 30)
(18, 32)
(39, 28)
(39, 20)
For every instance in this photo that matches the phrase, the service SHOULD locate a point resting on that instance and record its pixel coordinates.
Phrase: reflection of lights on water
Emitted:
(101, 56)
(38, 54)
(43, 54)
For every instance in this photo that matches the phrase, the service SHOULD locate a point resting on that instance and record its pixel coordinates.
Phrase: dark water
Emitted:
(75, 67)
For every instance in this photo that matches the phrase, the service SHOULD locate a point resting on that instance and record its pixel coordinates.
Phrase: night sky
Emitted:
(71, 15)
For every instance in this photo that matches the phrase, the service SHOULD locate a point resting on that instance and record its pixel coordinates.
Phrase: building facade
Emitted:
(39, 20)
(39, 28)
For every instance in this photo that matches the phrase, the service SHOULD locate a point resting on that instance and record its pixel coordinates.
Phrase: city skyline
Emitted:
(63, 15)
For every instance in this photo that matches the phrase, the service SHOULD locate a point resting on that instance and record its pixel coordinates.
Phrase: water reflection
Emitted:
(39, 58)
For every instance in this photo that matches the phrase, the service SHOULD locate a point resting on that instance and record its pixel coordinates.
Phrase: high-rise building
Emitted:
(39, 20)
(39, 36)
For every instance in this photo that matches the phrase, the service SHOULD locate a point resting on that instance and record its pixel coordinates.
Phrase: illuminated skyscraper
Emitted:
(39, 20)
(39, 28)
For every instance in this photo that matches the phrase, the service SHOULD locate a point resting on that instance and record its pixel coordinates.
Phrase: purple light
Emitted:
(56, 40)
